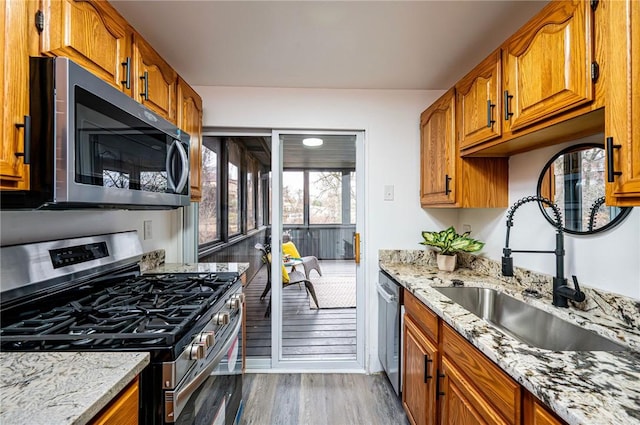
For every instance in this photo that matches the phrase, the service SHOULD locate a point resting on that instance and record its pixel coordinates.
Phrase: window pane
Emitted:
(352, 179)
(208, 207)
(234, 189)
(251, 211)
(292, 197)
(325, 197)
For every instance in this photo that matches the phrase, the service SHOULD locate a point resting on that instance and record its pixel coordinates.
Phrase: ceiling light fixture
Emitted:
(312, 141)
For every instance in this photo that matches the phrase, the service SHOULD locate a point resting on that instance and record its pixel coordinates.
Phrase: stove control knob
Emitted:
(235, 301)
(197, 351)
(207, 338)
(222, 318)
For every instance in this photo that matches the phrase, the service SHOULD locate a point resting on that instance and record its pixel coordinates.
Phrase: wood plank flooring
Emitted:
(320, 399)
(307, 333)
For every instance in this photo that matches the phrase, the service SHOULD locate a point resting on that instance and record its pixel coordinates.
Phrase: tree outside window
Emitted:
(293, 197)
(208, 208)
(325, 197)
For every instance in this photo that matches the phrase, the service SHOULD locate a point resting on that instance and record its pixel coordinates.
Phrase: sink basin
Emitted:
(526, 323)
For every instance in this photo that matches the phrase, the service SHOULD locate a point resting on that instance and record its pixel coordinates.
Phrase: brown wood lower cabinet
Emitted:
(447, 381)
(122, 410)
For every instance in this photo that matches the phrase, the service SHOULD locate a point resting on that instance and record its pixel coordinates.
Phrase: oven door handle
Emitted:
(176, 400)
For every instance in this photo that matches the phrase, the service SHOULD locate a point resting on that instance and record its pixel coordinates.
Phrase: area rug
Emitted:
(334, 294)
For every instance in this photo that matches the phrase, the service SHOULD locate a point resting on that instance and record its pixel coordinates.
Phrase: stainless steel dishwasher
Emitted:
(390, 328)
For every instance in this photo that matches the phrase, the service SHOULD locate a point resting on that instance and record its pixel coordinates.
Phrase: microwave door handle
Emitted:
(168, 166)
(184, 158)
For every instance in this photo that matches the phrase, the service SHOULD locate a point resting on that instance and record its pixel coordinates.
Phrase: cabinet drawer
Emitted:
(497, 387)
(423, 317)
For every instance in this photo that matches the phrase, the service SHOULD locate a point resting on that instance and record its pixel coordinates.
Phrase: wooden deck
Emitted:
(307, 333)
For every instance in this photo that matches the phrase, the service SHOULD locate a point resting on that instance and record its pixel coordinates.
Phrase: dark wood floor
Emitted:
(307, 333)
(320, 399)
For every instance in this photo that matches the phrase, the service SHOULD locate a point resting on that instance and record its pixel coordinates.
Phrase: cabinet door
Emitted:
(419, 375)
(479, 103)
(547, 64)
(190, 121)
(155, 81)
(14, 83)
(123, 409)
(622, 110)
(91, 34)
(536, 413)
(461, 403)
(438, 152)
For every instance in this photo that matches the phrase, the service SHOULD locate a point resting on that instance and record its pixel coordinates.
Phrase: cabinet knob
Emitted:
(26, 147)
(145, 92)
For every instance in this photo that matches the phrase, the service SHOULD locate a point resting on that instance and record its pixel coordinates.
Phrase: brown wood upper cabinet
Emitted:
(446, 179)
(92, 34)
(547, 64)
(154, 80)
(17, 19)
(622, 109)
(438, 152)
(479, 103)
(190, 120)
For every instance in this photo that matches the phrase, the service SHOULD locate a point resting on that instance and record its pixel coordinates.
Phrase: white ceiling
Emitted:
(325, 44)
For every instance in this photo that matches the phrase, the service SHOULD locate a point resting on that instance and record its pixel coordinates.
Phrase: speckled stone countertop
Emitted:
(169, 268)
(584, 388)
(63, 387)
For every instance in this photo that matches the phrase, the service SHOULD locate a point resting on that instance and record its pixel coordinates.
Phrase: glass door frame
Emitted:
(278, 362)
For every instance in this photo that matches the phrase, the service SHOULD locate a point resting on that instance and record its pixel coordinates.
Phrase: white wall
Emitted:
(609, 260)
(390, 119)
(18, 227)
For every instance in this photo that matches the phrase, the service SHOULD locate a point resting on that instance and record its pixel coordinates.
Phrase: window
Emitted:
(208, 228)
(252, 168)
(325, 197)
(352, 196)
(233, 188)
(293, 197)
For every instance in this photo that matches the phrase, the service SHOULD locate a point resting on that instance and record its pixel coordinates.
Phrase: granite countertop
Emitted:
(62, 387)
(594, 388)
(199, 268)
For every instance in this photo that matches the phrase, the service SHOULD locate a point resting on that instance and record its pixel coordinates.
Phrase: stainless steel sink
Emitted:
(526, 323)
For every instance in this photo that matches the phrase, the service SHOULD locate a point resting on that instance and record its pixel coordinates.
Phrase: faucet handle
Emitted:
(579, 295)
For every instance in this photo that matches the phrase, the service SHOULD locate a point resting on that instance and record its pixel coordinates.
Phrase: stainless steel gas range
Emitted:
(87, 294)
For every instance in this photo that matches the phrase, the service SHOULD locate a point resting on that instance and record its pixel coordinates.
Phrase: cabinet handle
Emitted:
(438, 392)
(507, 97)
(490, 107)
(611, 174)
(27, 140)
(427, 360)
(447, 179)
(145, 93)
(127, 73)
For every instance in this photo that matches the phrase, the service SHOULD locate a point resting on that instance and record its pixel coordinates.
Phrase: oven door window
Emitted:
(115, 149)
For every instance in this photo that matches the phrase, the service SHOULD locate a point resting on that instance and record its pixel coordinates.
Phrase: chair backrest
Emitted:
(265, 250)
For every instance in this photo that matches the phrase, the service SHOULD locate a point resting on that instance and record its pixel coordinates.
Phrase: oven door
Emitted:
(213, 397)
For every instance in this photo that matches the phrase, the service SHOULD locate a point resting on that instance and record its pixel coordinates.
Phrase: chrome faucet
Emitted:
(561, 292)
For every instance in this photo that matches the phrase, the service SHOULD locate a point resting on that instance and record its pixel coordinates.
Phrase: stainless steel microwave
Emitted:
(90, 145)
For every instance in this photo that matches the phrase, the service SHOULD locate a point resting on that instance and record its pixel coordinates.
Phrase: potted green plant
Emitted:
(448, 242)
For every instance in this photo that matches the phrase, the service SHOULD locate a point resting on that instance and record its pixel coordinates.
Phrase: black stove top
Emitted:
(141, 312)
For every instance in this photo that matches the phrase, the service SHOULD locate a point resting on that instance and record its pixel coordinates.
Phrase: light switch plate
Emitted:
(388, 192)
(147, 229)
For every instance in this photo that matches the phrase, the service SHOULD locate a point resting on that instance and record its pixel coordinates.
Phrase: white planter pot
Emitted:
(446, 263)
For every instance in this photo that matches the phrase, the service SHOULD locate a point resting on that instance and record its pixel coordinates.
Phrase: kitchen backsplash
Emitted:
(598, 302)
(151, 260)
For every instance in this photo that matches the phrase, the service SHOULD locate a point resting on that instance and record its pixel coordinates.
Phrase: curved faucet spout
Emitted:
(559, 296)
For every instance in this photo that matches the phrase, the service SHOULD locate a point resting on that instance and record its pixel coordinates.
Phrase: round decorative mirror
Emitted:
(574, 179)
